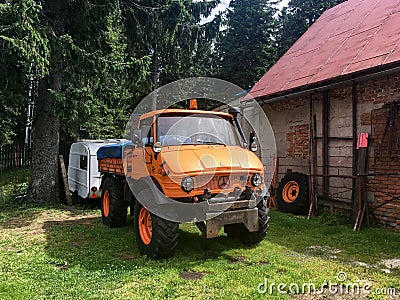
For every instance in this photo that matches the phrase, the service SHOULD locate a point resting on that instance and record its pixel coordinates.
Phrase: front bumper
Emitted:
(248, 217)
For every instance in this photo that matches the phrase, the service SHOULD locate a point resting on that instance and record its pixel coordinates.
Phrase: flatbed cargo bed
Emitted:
(110, 158)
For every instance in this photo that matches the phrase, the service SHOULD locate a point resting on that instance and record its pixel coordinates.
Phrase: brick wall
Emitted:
(290, 120)
(340, 150)
(298, 137)
(379, 91)
(290, 104)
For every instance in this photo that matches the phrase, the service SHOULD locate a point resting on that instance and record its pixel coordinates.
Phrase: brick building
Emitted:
(341, 78)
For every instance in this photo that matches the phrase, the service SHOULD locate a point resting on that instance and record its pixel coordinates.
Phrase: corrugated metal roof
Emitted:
(353, 36)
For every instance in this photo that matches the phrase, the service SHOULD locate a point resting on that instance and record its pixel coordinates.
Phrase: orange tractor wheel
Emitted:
(114, 208)
(292, 194)
(145, 225)
(155, 236)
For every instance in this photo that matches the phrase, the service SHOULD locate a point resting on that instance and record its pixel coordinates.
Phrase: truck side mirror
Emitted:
(136, 137)
(252, 142)
(234, 111)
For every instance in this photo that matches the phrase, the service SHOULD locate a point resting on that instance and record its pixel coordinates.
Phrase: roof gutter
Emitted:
(357, 79)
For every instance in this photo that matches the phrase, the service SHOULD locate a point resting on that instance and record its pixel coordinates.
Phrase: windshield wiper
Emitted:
(212, 143)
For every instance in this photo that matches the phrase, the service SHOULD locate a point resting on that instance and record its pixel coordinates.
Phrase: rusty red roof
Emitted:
(353, 36)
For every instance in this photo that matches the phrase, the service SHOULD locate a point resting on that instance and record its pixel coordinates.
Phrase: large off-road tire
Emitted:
(239, 231)
(293, 194)
(114, 208)
(155, 236)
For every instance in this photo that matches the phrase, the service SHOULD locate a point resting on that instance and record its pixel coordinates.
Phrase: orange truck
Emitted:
(184, 166)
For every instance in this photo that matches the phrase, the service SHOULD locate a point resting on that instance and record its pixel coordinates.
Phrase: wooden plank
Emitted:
(65, 180)
(312, 164)
(362, 146)
(272, 199)
(315, 164)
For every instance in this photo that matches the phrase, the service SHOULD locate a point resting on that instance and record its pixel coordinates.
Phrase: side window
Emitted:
(83, 162)
(147, 131)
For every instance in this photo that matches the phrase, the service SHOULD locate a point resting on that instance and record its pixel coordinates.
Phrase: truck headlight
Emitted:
(253, 147)
(256, 180)
(187, 184)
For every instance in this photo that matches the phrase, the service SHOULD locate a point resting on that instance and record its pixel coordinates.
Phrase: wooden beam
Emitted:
(325, 146)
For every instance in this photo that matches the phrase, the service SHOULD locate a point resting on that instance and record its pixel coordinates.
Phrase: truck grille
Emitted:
(220, 182)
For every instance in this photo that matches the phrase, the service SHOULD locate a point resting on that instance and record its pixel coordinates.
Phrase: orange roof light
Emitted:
(193, 104)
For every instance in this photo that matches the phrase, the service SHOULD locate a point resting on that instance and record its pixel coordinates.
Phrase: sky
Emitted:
(225, 3)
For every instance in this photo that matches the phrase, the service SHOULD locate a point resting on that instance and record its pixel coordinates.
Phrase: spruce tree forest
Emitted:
(81, 66)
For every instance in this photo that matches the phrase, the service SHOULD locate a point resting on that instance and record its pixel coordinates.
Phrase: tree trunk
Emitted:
(44, 166)
(43, 182)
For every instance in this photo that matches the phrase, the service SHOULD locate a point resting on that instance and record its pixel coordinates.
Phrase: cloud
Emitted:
(220, 7)
(224, 5)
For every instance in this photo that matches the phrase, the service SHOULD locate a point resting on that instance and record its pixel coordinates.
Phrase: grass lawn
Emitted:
(67, 253)
(60, 252)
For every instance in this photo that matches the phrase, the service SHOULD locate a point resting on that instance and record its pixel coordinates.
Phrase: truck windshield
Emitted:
(196, 129)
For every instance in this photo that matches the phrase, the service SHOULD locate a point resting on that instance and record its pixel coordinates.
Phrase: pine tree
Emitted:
(102, 77)
(171, 34)
(24, 54)
(93, 61)
(87, 77)
(246, 49)
(43, 183)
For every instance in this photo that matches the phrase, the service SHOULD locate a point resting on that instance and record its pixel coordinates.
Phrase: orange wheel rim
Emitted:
(145, 226)
(290, 191)
(106, 203)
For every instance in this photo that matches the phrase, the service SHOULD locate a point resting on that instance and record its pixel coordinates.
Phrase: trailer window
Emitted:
(83, 162)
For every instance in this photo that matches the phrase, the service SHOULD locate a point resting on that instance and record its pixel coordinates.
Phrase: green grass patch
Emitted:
(67, 253)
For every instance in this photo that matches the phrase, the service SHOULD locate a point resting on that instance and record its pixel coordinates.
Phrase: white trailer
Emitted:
(83, 175)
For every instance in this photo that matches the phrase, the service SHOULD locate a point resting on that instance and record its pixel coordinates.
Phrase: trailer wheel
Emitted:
(155, 236)
(292, 194)
(113, 206)
(240, 232)
(76, 199)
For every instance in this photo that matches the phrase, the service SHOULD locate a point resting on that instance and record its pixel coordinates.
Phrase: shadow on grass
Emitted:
(18, 216)
(86, 242)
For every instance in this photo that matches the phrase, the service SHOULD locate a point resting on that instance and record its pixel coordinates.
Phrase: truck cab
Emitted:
(188, 151)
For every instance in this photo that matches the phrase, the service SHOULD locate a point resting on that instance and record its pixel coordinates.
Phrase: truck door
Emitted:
(142, 155)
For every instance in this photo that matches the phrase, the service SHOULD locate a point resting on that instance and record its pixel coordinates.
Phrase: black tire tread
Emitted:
(118, 207)
(302, 204)
(253, 238)
(239, 231)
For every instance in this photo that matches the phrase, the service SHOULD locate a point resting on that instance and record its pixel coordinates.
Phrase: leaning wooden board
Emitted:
(65, 180)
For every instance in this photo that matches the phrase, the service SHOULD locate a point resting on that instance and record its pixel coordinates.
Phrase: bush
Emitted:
(334, 218)
(13, 186)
